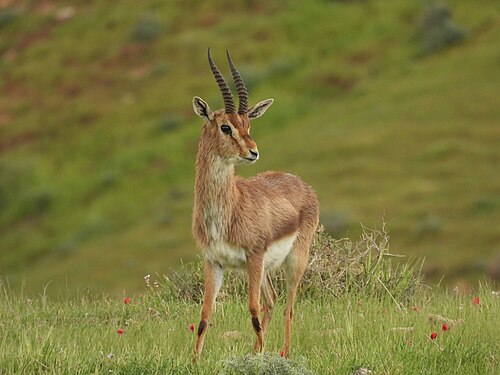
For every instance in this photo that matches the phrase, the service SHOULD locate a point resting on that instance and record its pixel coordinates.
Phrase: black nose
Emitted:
(255, 154)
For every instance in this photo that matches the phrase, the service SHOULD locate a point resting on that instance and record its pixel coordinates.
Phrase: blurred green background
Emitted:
(389, 109)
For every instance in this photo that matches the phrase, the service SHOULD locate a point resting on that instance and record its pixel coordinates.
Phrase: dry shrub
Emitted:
(340, 266)
(337, 267)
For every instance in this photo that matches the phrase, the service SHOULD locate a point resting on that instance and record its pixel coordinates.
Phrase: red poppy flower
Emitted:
(282, 353)
(127, 300)
(120, 331)
(476, 301)
(444, 327)
(191, 327)
(434, 335)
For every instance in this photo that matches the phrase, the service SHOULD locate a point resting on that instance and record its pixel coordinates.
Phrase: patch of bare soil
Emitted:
(19, 140)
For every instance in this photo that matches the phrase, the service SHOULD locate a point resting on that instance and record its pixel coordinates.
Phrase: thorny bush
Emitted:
(336, 267)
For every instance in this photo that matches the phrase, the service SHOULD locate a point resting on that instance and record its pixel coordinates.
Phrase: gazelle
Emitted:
(256, 224)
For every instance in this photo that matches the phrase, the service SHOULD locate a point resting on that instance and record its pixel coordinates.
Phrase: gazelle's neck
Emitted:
(214, 178)
(215, 191)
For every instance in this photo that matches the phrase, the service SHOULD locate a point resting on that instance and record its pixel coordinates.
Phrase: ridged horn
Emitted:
(223, 86)
(240, 87)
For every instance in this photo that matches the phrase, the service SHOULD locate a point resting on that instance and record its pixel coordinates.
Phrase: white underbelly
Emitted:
(231, 257)
(226, 255)
(278, 251)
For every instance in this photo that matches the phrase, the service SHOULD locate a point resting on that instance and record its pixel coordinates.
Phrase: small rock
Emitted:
(231, 335)
(362, 371)
(153, 312)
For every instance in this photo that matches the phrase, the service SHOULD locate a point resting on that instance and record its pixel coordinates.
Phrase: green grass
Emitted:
(97, 134)
(355, 310)
(331, 336)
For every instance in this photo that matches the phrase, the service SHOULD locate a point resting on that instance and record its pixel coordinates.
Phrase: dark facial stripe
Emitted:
(240, 149)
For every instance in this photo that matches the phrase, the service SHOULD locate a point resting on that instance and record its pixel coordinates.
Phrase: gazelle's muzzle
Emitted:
(251, 157)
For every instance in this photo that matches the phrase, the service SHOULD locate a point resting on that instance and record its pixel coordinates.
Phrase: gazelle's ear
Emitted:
(259, 109)
(202, 109)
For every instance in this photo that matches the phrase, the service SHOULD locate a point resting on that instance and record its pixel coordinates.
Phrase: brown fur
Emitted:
(249, 214)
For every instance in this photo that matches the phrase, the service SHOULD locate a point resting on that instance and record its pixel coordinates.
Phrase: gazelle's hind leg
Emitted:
(294, 267)
(269, 297)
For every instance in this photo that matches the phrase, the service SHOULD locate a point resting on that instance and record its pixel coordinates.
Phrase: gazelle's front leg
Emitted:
(213, 281)
(255, 264)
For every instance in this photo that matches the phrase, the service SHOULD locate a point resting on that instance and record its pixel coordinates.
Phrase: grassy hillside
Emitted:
(98, 138)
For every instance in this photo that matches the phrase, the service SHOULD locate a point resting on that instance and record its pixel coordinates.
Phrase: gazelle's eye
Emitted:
(226, 129)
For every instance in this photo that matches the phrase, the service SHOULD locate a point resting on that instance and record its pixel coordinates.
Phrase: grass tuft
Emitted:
(148, 28)
(264, 364)
(438, 30)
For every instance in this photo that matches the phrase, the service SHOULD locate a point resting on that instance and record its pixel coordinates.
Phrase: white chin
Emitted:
(245, 161)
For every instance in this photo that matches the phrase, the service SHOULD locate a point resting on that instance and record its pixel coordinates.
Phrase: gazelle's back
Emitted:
(269, 185)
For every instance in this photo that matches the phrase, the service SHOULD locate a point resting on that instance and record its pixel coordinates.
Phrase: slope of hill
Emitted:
(97, 135)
